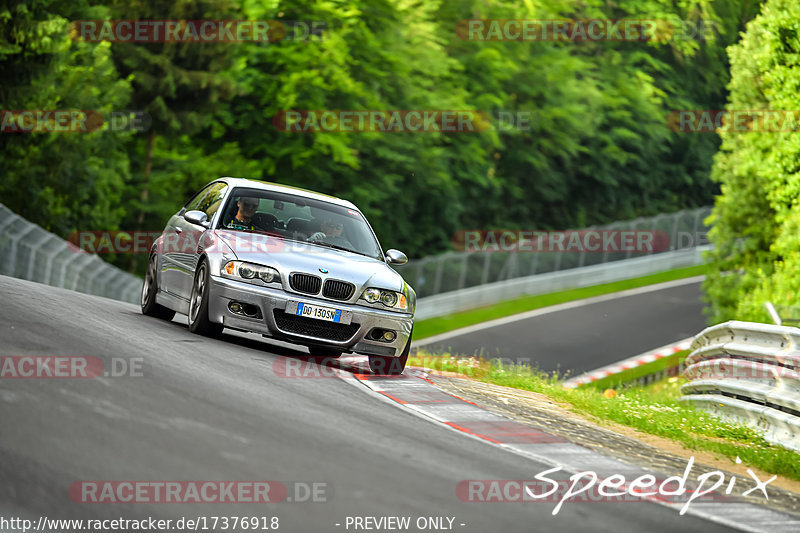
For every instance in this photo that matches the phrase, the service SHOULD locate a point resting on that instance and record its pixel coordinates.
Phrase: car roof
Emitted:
(288, 189)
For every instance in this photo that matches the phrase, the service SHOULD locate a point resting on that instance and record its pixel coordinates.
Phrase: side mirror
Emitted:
(396, 257)
(196, 217)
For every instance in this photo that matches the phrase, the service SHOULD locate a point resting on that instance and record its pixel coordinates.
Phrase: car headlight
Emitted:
(250, 272)
(389, 298)
(392, 299)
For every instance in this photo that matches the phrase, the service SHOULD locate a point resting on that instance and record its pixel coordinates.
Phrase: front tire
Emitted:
(198, 304)
(390, 366)
(149, 291)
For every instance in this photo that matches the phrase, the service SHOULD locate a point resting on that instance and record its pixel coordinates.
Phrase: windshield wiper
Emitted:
(337, 247)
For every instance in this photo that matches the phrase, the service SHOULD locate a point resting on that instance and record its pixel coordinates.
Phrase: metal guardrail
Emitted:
(29, 252)
(748, 372)
(455, 271)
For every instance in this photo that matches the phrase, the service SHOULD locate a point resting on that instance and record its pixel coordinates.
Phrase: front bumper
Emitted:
(307, 331)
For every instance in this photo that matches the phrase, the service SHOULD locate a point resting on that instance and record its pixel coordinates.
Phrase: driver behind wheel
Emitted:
(246, 208)
(331, 233)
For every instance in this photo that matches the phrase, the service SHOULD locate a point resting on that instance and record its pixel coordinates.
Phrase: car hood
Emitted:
(293, 256)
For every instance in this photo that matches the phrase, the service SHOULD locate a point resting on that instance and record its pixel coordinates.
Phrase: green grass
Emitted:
(434, 326)
(653, 409)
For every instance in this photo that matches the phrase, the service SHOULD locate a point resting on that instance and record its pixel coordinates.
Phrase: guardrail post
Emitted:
(420, 278)
(673, 238)
(773, 314)
(535, 262)
(14, 243)
(582, 255)
(51, 258)
(63, 277)
(34, 251)
(462, 276)
(486, 266)
(696, 226)
(79, 271)
(437, 283)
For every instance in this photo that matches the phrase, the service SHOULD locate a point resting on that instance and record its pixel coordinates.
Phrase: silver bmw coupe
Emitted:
(284, 262)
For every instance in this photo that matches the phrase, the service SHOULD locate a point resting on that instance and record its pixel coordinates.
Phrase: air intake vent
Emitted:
(338, 290)
(311, 327)
(305, 283)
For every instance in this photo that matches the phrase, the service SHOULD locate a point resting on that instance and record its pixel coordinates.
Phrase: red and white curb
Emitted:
(417, 393)
(627, 364)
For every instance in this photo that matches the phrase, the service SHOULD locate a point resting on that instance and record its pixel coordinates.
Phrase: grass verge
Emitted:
(652, 409)
(435, 326)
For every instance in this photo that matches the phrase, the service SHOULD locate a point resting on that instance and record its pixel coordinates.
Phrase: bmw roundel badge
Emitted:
(323, 270)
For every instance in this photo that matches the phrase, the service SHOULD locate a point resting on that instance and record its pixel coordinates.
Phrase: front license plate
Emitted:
(328, 314)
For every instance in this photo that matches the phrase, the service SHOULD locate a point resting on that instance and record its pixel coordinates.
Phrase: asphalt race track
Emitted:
(205, 409)
(589, 336)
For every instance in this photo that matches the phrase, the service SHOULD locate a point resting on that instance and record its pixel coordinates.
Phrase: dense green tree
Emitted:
(756, 218)
(382, 55)
(180, 86)
(62, 181)
(598, 148)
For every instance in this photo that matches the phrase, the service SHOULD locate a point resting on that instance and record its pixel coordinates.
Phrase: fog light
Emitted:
(235, 307)
(389, 336)
(250, 310)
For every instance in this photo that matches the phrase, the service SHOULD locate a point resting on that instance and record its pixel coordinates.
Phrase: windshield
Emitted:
(301, 219)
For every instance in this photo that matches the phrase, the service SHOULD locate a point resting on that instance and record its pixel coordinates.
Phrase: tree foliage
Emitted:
(756, 218)
(60, 180)
(598, 147)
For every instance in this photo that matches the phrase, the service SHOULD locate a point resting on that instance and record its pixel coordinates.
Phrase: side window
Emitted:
(208, 200)
(192, 204)
(211, 201)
